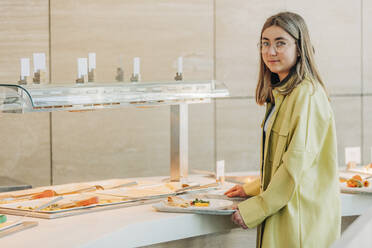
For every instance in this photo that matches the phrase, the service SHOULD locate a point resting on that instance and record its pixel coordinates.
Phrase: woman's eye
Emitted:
(265, 44)
(280, 43)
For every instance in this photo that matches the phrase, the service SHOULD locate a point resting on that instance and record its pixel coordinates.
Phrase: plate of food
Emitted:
(195, 205)
(355, 184)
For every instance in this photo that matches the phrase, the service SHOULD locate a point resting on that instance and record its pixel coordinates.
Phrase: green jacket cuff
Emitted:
(252, 188)
(252, 212)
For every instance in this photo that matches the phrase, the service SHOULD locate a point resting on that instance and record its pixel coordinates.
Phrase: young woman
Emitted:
(296, 201)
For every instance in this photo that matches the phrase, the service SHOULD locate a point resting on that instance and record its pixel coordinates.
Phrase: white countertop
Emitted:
(135, 226)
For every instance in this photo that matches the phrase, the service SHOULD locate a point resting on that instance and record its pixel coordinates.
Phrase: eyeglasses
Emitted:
(280, 46)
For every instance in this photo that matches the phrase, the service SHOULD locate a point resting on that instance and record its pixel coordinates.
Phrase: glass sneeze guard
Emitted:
(90, 96)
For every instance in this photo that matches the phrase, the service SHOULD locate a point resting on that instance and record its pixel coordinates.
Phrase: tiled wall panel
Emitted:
(238, 27)
(110, 144)
(156, 31)
(24, 146)
(367, 132)
(335, 30)
(201, 136)
(239, 133)
(367, 49)
(348, 118)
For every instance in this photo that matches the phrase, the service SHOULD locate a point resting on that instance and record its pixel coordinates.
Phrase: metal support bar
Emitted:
(179, 142)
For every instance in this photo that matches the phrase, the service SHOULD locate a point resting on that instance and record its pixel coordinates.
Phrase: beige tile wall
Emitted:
(367, 132)
(335, 29)
(24, 30)
(239, 133)
(25, 148)
(156, 31)
(238, 27)
(348, 119)
(202, 136)
(110, 144)
(25, 144)
(132, 141)
(367, 49)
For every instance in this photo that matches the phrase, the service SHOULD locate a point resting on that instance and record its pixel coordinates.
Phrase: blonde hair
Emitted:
(305, 66)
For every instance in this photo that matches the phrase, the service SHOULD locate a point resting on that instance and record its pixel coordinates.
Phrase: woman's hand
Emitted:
(237, 219)
(236, 191)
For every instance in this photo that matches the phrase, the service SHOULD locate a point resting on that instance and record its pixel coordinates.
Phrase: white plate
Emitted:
(346, 189)
(216, 207)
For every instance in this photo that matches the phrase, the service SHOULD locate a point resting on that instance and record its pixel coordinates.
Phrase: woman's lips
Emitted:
(273, 61)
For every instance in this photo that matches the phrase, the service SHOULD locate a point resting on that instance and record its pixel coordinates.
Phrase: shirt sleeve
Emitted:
(252, 188)
(307, 130)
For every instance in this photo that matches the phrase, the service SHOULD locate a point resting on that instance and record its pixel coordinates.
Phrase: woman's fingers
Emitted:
(237, 190)
(238, 193)
(244, 226)
(231, 190)
(233, 218)
(238, 220)
(231, 194)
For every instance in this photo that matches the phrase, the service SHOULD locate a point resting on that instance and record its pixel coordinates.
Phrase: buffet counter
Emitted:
(124, 227)
(138, 225)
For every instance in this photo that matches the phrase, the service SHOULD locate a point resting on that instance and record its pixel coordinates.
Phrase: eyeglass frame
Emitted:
(259, 45)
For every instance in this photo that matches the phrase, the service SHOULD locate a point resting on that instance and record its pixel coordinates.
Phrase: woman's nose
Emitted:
(272, 50)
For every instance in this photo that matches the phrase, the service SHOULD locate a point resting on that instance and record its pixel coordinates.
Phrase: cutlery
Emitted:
(47, 204)
(215, 184)
(123, 185)
(52, 193)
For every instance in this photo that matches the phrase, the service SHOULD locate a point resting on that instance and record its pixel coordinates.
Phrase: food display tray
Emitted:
(110, 197)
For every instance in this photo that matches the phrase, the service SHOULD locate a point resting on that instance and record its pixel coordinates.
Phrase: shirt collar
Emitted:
(275, 81)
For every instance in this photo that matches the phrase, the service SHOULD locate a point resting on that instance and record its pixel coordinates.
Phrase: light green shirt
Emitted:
(298, 204)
